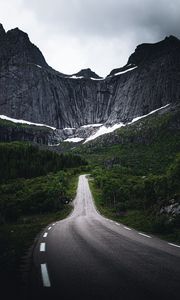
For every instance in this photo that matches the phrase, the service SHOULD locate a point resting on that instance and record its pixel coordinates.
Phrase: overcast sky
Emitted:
(100, 34)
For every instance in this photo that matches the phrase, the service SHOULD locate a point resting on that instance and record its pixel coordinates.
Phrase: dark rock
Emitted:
(87, 73)
(41, 135)
(33, 91)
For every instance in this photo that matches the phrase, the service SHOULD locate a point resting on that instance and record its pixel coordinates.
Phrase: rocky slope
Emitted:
(143, 132)
(33, 91)
(10, 131)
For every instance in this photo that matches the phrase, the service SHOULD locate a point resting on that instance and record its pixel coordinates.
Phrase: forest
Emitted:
(24, 160)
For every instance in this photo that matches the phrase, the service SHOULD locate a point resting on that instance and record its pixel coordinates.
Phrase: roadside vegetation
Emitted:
(136, 175)
(36, 188)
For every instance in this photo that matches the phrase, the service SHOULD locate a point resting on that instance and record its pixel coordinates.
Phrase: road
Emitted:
(87, 256)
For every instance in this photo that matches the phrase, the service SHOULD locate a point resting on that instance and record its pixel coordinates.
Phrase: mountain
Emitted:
(16, 49)
(31, 90)
(87, 73)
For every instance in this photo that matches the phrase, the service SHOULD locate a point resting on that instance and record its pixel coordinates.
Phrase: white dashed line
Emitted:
(127, 228)
(43, 247)
(174, 245)
(49, 228)
(45, 276)
(117, 224)
(111, 221)
(54, 224)
(148, 236)
(45, 234)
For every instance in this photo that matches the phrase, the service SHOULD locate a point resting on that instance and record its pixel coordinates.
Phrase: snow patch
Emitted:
(76, 77)
(68, 128)
(53, 145)
(38, 66)
(97, 78)
(92, 125)
(74, 140)
(152, 112)
(104, 130)
(24, 122)
(122, 72)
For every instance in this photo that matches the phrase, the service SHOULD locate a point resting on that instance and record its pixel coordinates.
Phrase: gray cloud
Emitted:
(97, 33)
(108, 18)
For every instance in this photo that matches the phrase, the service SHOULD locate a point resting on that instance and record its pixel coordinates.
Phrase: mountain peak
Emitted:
(2, 31)
(16, 48)
(16, 33)
(148, 51)
(87, 73)
(171, 38)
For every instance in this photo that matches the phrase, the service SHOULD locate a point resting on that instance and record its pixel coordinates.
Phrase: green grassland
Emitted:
(136, 172)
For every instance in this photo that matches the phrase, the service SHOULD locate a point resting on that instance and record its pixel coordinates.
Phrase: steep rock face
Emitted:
(145, 131)
(33, 91)
(10, 133)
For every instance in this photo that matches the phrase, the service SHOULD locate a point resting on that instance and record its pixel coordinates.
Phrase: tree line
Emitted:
(23, 160)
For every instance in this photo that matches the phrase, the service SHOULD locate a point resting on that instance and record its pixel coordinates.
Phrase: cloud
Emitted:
(100, 34)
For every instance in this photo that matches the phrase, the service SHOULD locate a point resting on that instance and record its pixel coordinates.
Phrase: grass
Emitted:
(137, 219)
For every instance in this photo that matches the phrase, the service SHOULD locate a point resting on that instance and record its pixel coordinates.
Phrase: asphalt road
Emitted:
(87, 256)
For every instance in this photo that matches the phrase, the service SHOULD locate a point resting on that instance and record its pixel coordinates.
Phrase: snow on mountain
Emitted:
(74, 135)
(75, 77)
(96, 78)
(74, 140)
(152, 112)
(104, 129)
(122, 72)
(24, 122)
(38, 66)
(91, 125)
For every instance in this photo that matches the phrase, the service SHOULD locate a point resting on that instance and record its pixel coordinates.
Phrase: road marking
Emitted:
(54, 224)
(174, 245)
(43, 247)
(111, 221)
(127, 228)
(49, 228)
(117, 224)
(148, 236)
(45, 234)
(45, 276)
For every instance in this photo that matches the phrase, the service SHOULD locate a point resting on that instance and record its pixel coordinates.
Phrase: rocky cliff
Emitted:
(33, 91)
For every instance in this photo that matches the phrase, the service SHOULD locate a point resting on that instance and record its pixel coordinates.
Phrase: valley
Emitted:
(123, 130)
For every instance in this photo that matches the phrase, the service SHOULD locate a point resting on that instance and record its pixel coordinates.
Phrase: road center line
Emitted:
(148, 236)
(174, 245)
(49, 227)
(43, 247)
(45, 234)
(45, 276)
(127, 228)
